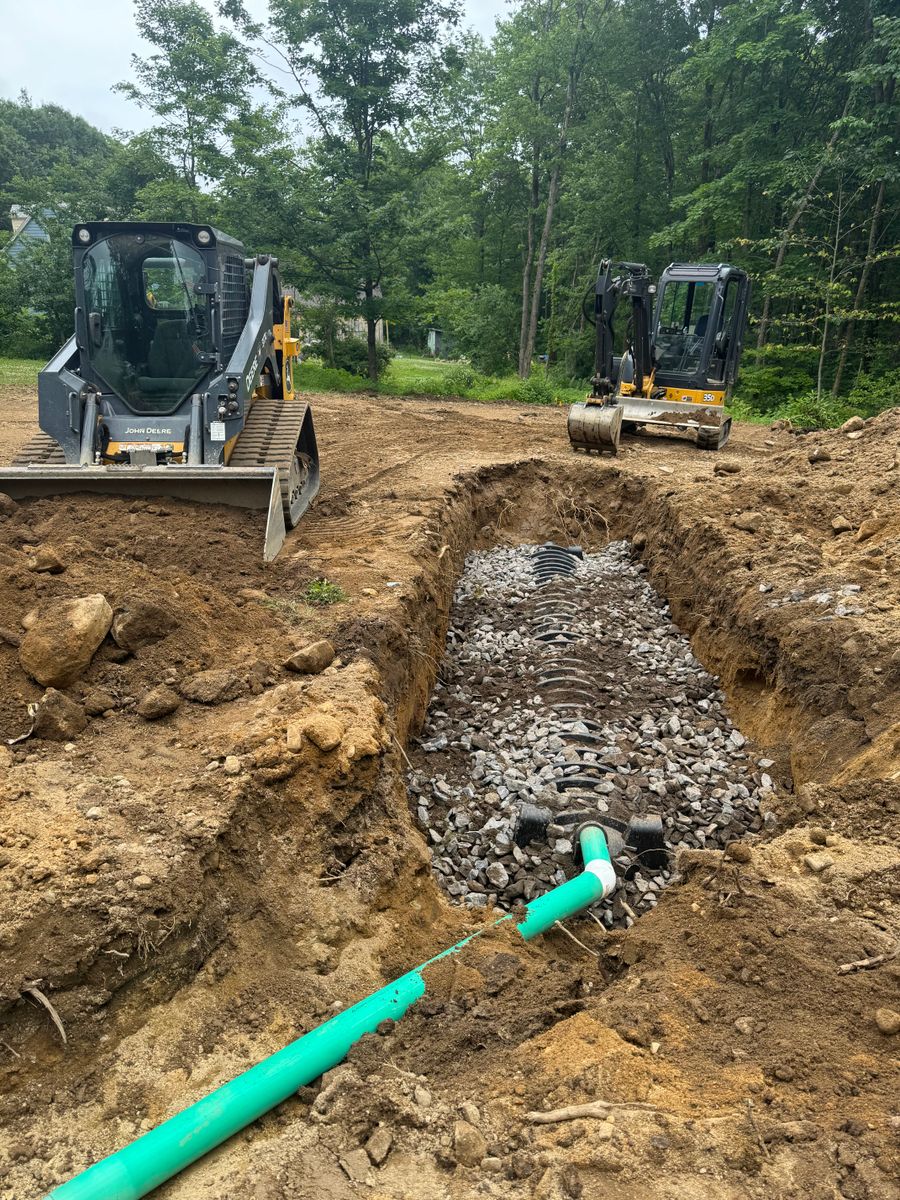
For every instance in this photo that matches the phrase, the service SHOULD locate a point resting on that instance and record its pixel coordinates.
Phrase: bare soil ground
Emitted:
(186, 920)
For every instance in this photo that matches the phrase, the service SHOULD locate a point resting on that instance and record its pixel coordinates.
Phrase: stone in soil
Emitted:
(58, 719)
(312, 659)
(159, 702)
(63, 637)
(141, 622)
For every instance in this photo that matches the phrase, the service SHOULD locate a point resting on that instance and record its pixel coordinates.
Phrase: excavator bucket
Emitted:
(595, 427)
(245, 487)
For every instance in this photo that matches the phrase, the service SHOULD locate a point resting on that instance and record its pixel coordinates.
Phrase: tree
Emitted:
(361, 72)
(196, 83)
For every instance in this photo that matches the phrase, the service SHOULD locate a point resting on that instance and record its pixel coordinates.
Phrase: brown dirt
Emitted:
(205, 919)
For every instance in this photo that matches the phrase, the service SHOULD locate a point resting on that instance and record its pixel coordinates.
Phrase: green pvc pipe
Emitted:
(165, 1151)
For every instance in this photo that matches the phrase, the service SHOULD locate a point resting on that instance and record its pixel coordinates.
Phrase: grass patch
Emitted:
(411, 376)
(322, 592)
(319, 593)
(20, 372)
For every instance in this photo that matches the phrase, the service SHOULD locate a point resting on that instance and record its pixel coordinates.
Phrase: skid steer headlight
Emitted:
(204, 237)
(84, 236)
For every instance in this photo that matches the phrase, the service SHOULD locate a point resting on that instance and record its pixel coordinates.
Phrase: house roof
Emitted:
(31, 231)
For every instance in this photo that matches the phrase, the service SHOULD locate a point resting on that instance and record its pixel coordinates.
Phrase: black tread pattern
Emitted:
(41, 450)
(269, 439)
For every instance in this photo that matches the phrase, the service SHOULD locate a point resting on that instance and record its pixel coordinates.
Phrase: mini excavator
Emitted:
(680, 362)
(178, 381)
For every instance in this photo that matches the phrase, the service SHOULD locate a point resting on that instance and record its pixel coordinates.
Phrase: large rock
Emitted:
(468, 1144)
(888, 1021)
(853, 425)
(58, 719)
(63, 638)
(213, 687)
(312, 659)
(158, 702)
(140, 622)
(7, 505)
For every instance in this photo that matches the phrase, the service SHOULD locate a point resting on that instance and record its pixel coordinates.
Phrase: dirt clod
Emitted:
(160, 701)
(45, 560)
(887, 1020)
(378, 1147)
(213, 687)
(141, 622)
(469, 1145)
(58, 718)
(750, 522)
(325, 732)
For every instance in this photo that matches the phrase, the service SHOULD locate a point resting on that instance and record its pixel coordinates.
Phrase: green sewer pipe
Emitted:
(163, 1152)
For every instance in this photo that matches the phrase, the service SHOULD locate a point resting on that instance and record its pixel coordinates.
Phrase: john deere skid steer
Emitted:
(178, 380)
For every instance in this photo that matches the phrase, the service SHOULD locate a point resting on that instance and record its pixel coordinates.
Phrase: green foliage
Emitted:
(482, 323)
(350, 355)
(811, 411)
(535, 389)
(197, 81)
(763, 388)
(322, 592)
(871, 395)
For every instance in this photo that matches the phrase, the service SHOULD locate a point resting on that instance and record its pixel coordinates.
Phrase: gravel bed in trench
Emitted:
(579, 693)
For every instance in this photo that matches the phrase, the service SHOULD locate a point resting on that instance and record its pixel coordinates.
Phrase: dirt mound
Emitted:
(190, 894)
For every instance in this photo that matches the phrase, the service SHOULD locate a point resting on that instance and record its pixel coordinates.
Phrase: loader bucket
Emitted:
(245, 487)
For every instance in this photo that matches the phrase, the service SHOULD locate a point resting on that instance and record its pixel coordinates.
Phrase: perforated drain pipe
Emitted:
(157, 1156)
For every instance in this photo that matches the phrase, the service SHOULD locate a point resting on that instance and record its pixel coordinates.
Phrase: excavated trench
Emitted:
(527, 692)
(568, 695)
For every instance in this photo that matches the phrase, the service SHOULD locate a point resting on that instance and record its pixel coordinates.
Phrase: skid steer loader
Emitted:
(178, 381)
(680, 362)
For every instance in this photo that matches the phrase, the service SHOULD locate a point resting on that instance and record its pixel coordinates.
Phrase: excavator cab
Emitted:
(681, 356)
(698, 328)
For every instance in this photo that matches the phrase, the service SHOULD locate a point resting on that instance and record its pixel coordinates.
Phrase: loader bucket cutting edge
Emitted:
(246, 487)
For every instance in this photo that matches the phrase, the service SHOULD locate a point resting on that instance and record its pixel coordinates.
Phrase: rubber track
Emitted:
(41, 449)
(270, 439)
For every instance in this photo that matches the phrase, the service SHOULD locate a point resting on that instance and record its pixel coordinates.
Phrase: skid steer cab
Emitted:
(178, 381)
(681, 355)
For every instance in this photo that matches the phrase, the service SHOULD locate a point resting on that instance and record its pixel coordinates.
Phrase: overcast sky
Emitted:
(71, 52)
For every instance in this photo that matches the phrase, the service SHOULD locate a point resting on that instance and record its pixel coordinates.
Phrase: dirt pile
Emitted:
(191, 893)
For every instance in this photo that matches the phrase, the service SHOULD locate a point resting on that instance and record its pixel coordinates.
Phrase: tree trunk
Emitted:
(535, 307)
(372, 330)
(525, 363)
(860, 291)
(527, 349)
(831, 278)
(786, 237)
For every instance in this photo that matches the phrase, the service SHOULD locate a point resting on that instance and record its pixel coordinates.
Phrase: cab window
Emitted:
(684, 310)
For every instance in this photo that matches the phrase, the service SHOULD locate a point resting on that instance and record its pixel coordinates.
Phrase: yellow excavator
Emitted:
(681, 357)
(178, 381)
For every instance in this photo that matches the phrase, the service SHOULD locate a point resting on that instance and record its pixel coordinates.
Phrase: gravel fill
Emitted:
(578, 694)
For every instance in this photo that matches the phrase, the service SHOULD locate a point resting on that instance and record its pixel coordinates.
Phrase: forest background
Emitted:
(410, 172)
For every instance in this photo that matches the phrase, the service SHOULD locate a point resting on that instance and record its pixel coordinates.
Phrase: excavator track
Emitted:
(274, 435)
(42, 449)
